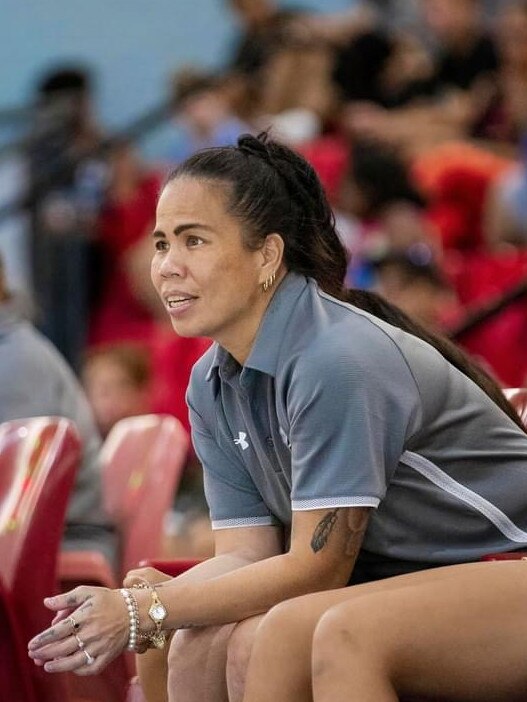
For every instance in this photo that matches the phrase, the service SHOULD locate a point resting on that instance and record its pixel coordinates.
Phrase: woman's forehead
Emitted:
(185, 196)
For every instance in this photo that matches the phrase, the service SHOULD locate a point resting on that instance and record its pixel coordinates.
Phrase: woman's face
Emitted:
(208, 281)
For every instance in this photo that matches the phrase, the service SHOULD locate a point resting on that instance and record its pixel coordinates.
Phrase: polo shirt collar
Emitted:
(266, 348)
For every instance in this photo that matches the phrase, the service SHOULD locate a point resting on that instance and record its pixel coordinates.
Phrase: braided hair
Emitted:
(270, 188)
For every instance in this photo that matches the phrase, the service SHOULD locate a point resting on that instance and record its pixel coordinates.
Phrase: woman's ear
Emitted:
(272, 254)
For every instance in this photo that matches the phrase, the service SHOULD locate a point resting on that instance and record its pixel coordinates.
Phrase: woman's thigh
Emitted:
(284, 638)
(455, 633)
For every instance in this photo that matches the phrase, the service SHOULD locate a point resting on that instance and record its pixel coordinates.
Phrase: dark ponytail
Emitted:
(381, 308)
(273, 189)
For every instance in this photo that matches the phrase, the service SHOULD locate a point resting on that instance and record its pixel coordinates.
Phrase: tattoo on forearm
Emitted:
(323, 530)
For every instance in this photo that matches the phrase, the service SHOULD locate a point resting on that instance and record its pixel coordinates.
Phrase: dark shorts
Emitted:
(370, 567)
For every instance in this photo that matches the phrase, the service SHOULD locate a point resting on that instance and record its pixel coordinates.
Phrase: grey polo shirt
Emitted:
(336, 408)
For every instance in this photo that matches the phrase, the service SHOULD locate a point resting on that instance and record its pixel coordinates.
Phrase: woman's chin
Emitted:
(186, 329)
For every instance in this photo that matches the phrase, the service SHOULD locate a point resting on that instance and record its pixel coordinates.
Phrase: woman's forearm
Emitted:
(229, 597)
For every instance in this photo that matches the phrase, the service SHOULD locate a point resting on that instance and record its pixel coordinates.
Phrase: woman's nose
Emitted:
(172, 265)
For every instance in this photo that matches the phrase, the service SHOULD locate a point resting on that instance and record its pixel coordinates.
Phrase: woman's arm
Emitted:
(324, 547)
(234, 548)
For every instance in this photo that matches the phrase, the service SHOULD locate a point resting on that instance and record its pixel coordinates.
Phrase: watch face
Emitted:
(157, 612)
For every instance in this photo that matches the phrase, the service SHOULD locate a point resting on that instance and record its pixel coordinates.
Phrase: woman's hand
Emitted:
(145, 576)
(94, 631)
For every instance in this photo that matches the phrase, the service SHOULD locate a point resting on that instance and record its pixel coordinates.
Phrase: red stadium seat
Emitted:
(15, 666)
(143, 459)
(142, 462)
(38, 461)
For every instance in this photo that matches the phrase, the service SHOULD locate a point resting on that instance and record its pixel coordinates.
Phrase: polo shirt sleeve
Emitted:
(232, 497)
(350, 413)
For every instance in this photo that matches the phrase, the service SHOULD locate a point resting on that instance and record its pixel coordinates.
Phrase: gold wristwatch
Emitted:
(157, 614)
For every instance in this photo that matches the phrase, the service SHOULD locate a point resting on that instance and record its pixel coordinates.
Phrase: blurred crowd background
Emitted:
(413, 113)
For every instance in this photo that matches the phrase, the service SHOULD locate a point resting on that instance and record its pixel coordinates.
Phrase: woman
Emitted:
(337, 448)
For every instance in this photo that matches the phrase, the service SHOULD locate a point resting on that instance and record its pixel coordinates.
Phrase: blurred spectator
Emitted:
(36, 381)
(382, 68)
(203, 114)
(506, 116)
(67, 181)
(117, 379)
(506, 205)
(172, 359)
(264, 30)
(123, 228)
(280, 63)
(416, 286)
(457, 177)
(380, 194)
(466, 52)
(432, 104)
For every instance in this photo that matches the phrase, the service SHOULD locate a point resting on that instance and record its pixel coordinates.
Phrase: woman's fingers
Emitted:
(88, 638)
(56, 632)
(57, 650)
(62, 614)
(99, 663)
(69, 600)
(68, 663)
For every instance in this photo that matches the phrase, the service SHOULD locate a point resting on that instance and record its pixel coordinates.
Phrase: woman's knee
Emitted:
(190, 647)
(347, 631)
(239, 651)
(284, 634)
(283, 623)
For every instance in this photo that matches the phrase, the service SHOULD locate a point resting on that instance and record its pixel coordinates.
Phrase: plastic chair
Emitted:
(144, 458)
(142, 462)
(38, 460)
(15, 670)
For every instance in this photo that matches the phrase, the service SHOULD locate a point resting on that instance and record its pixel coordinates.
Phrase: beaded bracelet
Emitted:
(133, 614)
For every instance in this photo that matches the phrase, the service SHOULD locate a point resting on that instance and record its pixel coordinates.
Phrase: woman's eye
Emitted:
(194, 240)
(160, 245)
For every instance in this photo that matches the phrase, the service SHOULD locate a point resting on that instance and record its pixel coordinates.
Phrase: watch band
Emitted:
(157, 613)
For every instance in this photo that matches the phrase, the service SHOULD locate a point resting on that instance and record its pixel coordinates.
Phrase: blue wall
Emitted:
(132, 45)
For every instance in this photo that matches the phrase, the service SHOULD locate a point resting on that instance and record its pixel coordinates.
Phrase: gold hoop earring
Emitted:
(269, 282)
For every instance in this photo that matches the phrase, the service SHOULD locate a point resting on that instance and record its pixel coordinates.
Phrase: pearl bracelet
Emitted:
(133, 614)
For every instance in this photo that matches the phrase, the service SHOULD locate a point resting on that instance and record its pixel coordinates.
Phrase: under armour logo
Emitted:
(240, 441)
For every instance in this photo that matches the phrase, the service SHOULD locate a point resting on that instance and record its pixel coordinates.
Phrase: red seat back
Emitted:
(38, 460)
(143, 459)
(15, 666)
(518, 399)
